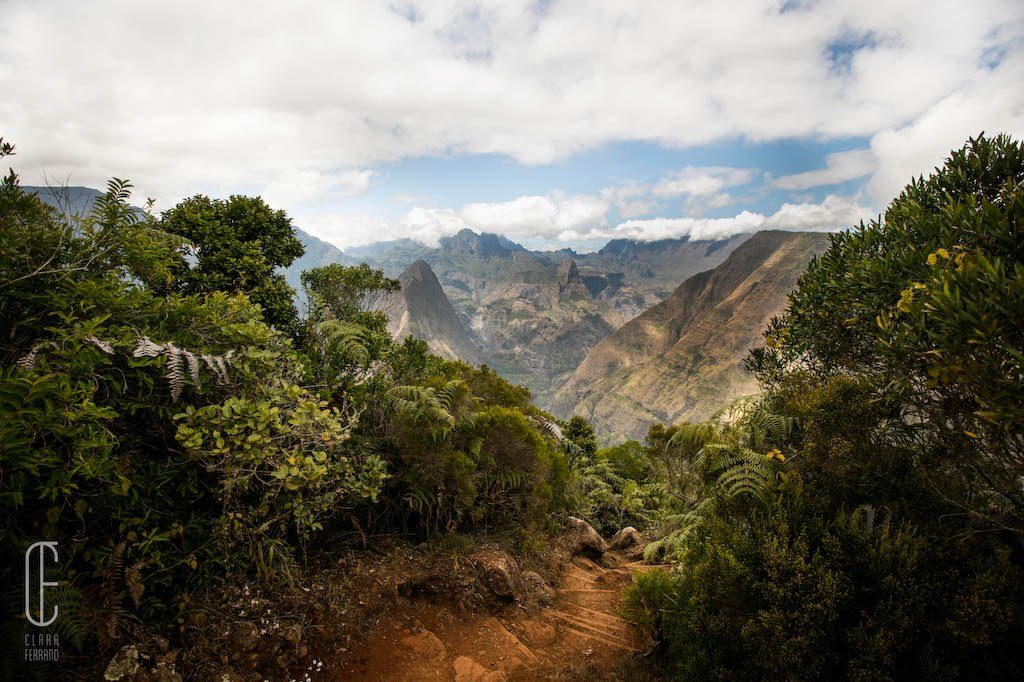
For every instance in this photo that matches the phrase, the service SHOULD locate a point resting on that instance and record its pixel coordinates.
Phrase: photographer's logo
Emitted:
(42, 646)
(39, 549)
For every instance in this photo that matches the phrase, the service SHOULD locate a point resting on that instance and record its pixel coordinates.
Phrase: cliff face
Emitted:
(537, 321)
(421, 309)
(682, 358)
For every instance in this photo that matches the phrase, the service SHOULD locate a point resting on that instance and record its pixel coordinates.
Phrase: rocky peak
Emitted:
(484, 245)
(570, 284)
(422, 309)
(419, 271)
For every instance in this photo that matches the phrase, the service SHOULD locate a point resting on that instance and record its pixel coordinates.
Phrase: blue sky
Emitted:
(559, 123)
(459, 179)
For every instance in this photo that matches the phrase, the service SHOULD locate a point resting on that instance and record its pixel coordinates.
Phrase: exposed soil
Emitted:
(580, 634)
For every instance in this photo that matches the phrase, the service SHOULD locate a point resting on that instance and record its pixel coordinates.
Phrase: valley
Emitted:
(632, 334)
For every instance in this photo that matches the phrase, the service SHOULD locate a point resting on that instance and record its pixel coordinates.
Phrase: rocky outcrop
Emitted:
(683, 358)
(583, 539)
(499, 571)
(422, 309)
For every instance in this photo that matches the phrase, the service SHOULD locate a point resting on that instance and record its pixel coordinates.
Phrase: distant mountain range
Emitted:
(682, 358)
(634, 333)
(534, 315)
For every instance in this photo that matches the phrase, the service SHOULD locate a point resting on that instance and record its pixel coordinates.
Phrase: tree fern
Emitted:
(426, 405)
(349, 340)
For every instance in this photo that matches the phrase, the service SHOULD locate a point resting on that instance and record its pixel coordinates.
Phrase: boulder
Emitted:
(500, 572)
(583, 539)
(627, 538)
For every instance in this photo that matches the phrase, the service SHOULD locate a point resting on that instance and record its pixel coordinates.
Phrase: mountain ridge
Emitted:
(682, 358)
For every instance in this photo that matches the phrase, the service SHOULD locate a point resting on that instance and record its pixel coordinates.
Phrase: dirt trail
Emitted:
(581, 630)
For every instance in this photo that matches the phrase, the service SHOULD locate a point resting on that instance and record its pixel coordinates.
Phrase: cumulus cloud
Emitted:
(700, 182)
(839, 167)
(212, 96)
(541, 216)
(994, 104)
(835, 212)
(429, 225)
(293, 186)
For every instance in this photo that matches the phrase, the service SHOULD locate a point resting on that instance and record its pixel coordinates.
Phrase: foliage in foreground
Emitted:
(169, 419)
(865, 521)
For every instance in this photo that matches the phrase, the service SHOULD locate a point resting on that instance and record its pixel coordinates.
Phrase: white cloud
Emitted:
(839, 167)
(293, 187)
(700, 182)
(537, 216)
(694, 228)
(212, 96)
(428, 225)
(994, 104)
(347, 229)
(833, 213)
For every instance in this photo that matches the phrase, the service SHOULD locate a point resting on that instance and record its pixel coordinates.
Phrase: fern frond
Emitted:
(349, 340)
(421, 404)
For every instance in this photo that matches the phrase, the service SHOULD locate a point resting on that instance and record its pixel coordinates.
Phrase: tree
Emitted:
(342, 292)
(343, 335)
(238, 244)
(927, 306)
(579, 431)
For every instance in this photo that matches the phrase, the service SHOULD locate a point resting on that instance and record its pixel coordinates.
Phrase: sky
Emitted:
(556, 123)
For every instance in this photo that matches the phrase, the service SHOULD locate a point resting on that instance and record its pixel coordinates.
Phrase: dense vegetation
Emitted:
(178, 423)
(863, 520)
(170, 418)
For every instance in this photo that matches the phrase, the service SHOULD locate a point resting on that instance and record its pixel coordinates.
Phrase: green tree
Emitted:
(580, 433)
(927, 306)
(238, 244)
(345, 292)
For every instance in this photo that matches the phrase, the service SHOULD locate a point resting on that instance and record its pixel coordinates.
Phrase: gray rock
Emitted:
(583, 539)
(627, 538)
(500, 572)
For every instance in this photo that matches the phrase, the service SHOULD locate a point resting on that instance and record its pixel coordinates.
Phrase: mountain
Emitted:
(683, 358)
(317, 253)
(422, 310)
(537, 314)
(537, 321)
